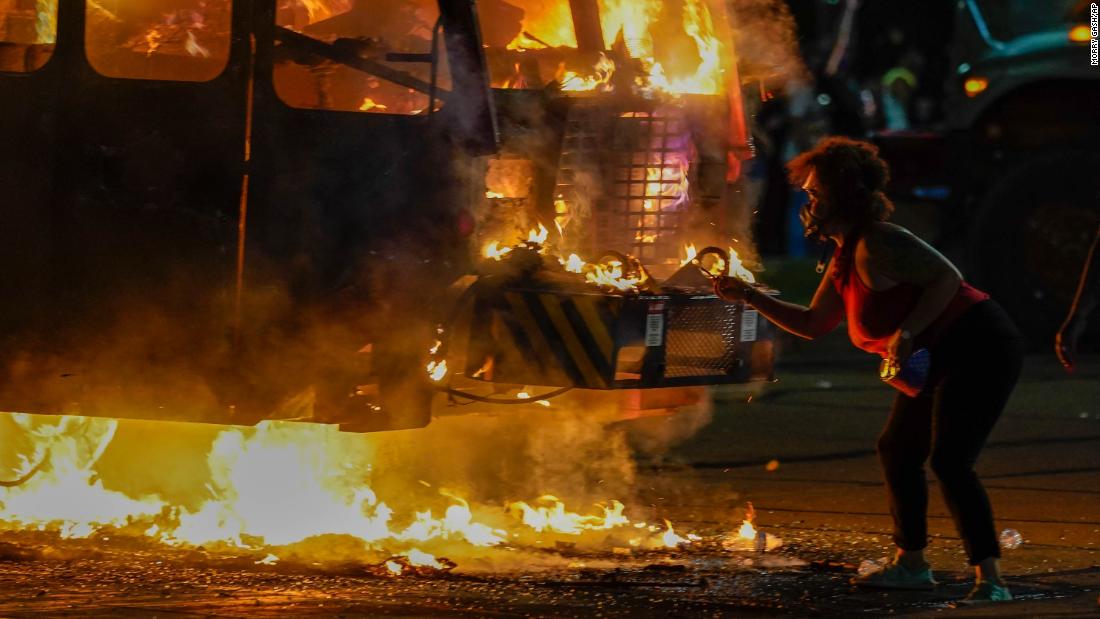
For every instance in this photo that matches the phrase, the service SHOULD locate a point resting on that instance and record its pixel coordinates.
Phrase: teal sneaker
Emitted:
(987, 591)
(894, 575)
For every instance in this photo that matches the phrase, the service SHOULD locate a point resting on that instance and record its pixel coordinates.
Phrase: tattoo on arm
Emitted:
(903, 257)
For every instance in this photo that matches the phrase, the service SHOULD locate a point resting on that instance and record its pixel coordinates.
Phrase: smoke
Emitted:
(166, 351)
(766, 41)
(654, 437)
(572, 450)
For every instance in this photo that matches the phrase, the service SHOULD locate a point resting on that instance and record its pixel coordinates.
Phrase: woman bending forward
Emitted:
(898, 295)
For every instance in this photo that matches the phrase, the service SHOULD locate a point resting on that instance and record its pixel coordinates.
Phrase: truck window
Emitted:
(379, 31)
(182, 40)
(28, 29)
(521, 37)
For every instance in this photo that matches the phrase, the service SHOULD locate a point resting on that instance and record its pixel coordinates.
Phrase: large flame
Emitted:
(67, 492)
(548, 21)
(708, 78)
(275, 485)
(637, 23)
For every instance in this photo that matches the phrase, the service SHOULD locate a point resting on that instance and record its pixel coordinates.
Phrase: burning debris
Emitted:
(285, 490)
(651, 132)
(612, 273)
(536, 318)
(749, 538)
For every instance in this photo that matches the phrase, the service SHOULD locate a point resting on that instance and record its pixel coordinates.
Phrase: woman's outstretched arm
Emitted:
(822, 316)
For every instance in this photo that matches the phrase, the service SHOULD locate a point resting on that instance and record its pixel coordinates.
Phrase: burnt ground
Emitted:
(79, 581)
(824, 499)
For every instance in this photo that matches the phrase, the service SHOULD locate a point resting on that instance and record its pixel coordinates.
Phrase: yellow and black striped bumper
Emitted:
(604, 341)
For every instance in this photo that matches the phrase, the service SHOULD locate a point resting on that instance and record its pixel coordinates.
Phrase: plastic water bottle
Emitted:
(870, 566)
(1011, 539)
(760, 542)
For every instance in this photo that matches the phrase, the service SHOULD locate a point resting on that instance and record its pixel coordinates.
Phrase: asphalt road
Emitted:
(821, 495)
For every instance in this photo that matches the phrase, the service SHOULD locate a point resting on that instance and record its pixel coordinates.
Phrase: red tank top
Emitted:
(874, 315)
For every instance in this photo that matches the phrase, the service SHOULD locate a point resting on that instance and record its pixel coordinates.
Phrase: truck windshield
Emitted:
(1010, 19)
(27, 34)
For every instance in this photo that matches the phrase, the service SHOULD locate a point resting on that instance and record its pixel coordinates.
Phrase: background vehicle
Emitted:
(1015, 168)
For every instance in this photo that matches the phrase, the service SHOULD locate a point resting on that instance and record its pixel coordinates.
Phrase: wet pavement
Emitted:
(801, 450)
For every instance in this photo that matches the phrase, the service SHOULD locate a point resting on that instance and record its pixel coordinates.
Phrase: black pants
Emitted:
(976, 364)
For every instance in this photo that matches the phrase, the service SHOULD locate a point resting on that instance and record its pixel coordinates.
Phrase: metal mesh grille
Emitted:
(579, 179)
(629, 172)
(702, 339)
(648, 192)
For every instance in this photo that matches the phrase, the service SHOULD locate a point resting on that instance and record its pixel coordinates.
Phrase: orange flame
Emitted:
(370, 105)
(611, 275)
(735, 268)
(748, 531)
(636, 21)
(670, 538)
(738, 270)
(538, 236)
(600, 80)
(320, 491)
(552, 516)
(573, 264)
(494, 251)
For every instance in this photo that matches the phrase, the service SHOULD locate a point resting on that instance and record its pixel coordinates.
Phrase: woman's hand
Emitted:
(733, 289)
(899, 347)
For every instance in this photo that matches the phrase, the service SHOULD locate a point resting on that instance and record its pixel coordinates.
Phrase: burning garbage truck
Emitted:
(348, 212)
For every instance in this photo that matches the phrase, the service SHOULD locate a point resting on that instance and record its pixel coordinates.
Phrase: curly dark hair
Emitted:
(852, 178)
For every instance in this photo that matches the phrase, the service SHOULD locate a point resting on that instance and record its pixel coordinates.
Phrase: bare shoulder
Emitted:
(885, 234)
(881, 238)
(899, 254)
